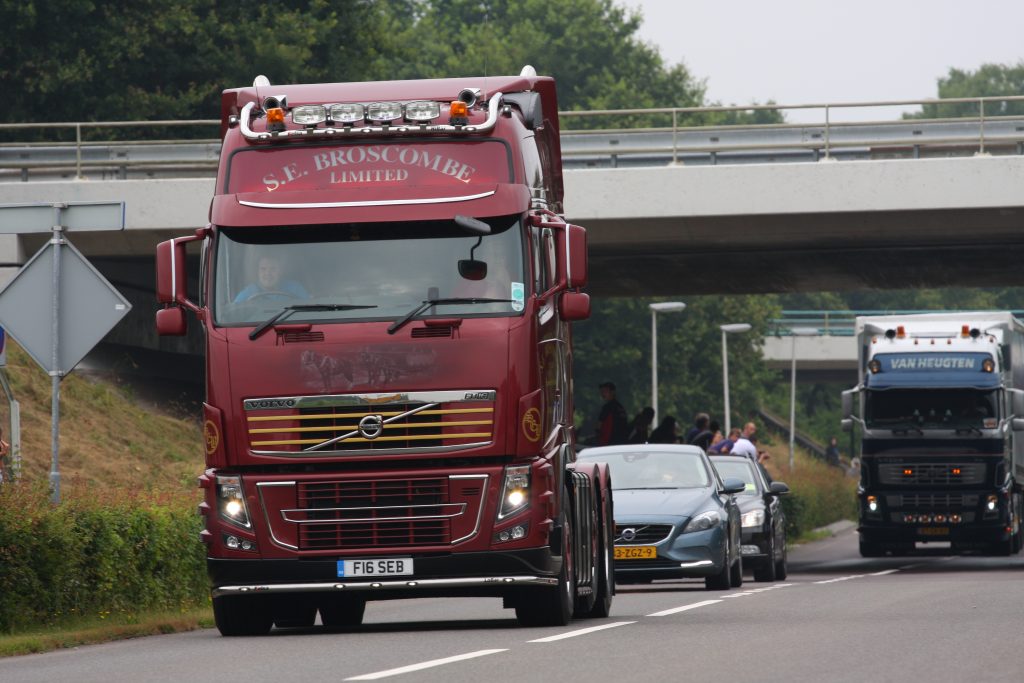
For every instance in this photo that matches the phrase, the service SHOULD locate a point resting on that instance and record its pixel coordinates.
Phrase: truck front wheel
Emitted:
(237, 615)
(553, 606)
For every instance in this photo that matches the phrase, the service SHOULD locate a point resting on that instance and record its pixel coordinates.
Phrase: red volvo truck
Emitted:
(386, 290)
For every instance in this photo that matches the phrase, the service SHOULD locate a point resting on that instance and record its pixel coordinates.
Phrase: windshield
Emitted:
(653, 469)
(374, 271)
(738, 470)
(915, 408)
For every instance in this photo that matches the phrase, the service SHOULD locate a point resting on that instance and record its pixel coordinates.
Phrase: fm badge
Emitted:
(211, 435)
(531, 425)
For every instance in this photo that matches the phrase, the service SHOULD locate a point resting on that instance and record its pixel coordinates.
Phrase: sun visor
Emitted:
(368, 206)
(936, 380)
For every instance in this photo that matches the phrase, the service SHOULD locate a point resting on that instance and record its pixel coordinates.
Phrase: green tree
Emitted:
(989, 80)
(615, 344)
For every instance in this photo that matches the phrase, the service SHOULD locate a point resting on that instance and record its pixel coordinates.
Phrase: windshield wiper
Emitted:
(399, 324)
(288, 310)
(899, 426)
(963, 427)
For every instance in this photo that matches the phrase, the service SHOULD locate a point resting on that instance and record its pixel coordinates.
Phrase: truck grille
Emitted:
(374, 513)
(933, 501)
(370, 423)
(931, 474)
(644, 534)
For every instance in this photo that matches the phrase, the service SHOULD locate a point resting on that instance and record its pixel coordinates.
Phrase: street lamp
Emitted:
(656, 308)
(727, 329)
(795, 332)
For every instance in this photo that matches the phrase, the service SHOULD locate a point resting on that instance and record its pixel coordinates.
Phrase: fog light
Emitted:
(518, 532)
(909, 519)
(941, 519)
(231, 542)
(247, 545)
(924, 519)
(514, 533)
(955, 519)
(993, 500)
(749, 550)
(872, 504)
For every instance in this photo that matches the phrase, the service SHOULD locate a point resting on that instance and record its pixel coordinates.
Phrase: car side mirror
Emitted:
(733, 485)
(778, 488)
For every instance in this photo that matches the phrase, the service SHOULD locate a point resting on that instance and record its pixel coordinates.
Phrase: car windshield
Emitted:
(653, 469)
(737, 469)
(376, 271)
(912, 408)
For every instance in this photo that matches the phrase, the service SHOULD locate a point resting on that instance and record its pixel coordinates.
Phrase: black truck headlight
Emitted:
(231, 501)
(515, 491)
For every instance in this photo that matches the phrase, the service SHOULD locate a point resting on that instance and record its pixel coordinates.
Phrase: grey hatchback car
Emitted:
(674, 516)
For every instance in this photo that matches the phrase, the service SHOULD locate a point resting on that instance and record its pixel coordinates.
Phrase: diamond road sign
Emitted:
(89, 308)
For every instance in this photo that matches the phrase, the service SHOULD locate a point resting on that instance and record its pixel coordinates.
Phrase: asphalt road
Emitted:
(837, 617)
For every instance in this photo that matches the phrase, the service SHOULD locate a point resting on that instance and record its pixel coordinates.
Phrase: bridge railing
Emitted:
(837, 323)
(988, 125)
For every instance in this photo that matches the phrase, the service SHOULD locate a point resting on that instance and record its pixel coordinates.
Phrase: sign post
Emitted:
(83, 305)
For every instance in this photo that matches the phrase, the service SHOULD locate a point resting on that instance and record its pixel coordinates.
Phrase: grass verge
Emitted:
(102, 630)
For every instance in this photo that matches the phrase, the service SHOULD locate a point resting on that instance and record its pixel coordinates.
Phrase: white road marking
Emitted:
(424, 665)
(887, 571)
(675, 610)
(580, 632)
(843, 578)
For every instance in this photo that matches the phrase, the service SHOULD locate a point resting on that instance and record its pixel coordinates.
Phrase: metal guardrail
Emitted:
(837, 323)
(679, 142)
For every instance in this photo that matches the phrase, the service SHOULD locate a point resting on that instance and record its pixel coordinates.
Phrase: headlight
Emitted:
(515, 492)
(703, 522)
(754, 518)
(231, 500)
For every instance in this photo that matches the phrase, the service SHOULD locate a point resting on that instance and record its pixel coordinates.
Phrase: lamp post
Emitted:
(795, 332)
(656, 308)
(727, 329)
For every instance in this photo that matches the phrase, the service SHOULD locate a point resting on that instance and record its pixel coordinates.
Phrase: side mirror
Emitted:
(574, 306)
(171, 322)
(846, 425)
(733, 485)
(576, 256)
(847, 403)
(1017, 402)
(171, 270)
(1017, 424)
(778, 488)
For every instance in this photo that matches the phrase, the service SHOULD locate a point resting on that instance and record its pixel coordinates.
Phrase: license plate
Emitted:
(934, 531)
(391, 567)
(636, 552)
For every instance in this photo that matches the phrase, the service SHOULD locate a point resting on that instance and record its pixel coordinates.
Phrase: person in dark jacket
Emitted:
(612, 423)
(667, 431)
(640, 427)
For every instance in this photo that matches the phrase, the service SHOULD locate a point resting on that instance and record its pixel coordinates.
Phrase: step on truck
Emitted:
(942, 413)
(387, 289)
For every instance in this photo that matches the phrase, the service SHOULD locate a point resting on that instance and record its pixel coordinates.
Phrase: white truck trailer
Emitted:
(941, 412)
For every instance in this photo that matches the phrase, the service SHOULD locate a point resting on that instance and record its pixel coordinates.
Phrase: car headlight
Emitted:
(754, 518)
(515, 492)
(703, 522)
(231, 500)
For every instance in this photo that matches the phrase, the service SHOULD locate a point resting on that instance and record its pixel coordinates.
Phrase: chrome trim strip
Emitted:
(403, 518)
(368, 400)
(345, 436)
(493, 106)
(408, 585)
(174, 271)
(266, 515)
(382, 202)
(480, 510)
(376, 451)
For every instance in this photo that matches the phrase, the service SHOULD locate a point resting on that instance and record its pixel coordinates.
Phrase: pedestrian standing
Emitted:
(612, 423)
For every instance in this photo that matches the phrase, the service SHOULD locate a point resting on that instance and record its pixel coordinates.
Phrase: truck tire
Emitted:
(553, 606)
(237, 615)
(605, 569)
(294, 611)
(342, 611)
(722, 581)
(869, 549)
(585, 603)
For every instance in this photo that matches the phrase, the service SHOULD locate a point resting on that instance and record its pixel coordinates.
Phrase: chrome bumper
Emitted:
(408, 585)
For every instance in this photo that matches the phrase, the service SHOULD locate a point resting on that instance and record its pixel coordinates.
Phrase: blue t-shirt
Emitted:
(286, 287)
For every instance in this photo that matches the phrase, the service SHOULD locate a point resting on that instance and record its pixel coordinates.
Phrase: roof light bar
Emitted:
(309, 114)
(347, 113)
(422, 111)
(383, 112)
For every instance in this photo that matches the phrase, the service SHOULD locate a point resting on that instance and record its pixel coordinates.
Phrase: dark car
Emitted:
(763, 521)
(674, 516)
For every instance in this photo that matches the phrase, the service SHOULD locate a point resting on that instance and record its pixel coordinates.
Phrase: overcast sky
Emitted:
(812, 51)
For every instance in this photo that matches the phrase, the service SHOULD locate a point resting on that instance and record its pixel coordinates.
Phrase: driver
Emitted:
(269, 284)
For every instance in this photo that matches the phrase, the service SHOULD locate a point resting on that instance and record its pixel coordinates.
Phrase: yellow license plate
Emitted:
(636, 552)
(934, 531)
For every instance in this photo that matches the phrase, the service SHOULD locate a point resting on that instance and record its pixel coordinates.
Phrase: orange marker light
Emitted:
(458, 110)
(956, 471)
(908, 472)
(275, 115)
(900, 332)
(965, 330)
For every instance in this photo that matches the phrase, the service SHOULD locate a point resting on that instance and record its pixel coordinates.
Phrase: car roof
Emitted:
(731, 458)
(641, 447)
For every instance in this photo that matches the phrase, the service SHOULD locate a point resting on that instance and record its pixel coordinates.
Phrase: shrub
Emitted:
(96, 555)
